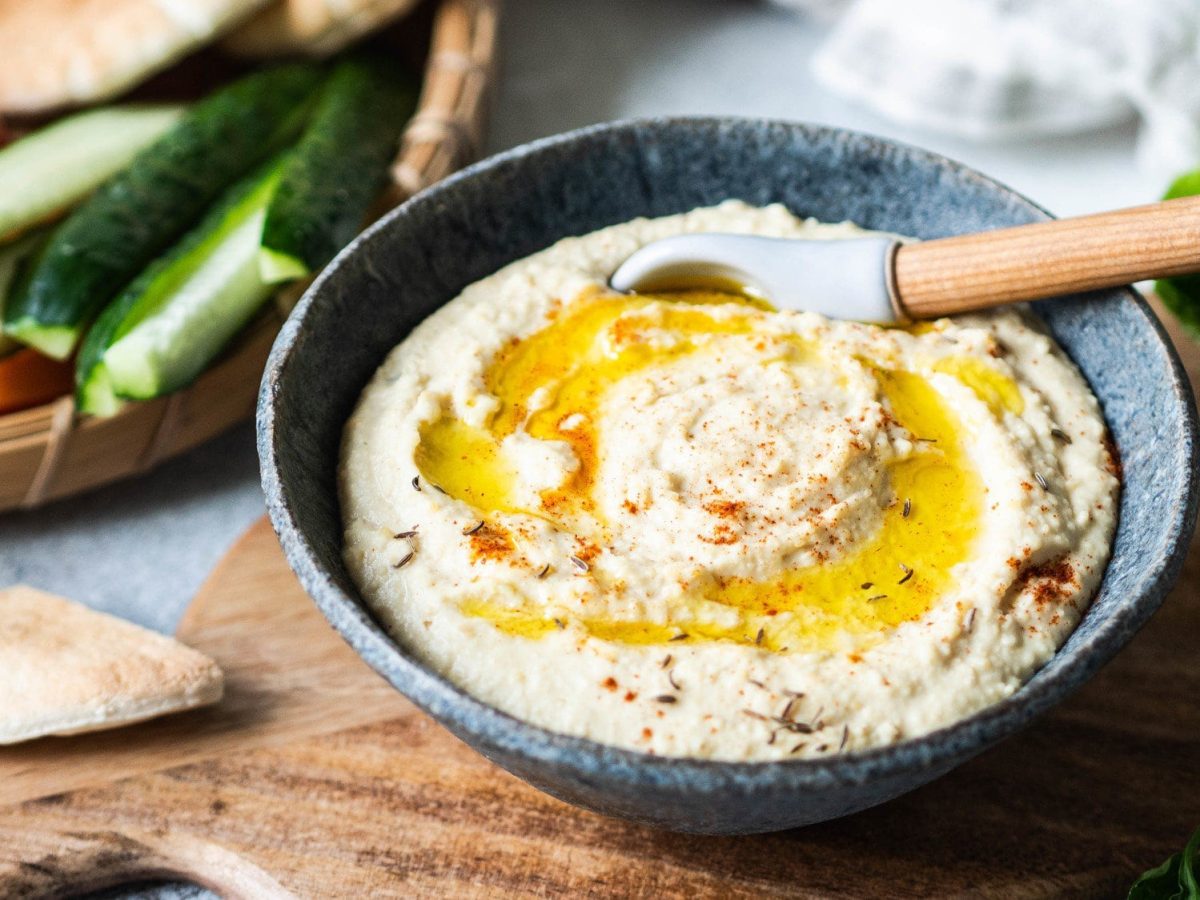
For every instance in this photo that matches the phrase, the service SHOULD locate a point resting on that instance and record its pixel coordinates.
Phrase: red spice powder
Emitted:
(726, 509)
(1112, 458)
(586, 550)
(491, 542)
(721, 535)
(1050, 582)
(628, 330)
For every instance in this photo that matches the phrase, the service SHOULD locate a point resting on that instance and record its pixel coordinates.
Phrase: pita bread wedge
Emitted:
(311, 27)
(56, 53)
(65, 669)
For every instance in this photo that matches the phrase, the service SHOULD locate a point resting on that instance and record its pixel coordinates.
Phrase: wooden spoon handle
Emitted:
(1046, 259)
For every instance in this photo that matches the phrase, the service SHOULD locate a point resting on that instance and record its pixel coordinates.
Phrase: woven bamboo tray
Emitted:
(50, 452)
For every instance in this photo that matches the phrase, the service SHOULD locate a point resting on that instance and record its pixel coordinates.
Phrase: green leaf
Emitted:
(1181, 295)
(1176, 879)
(1185, 185)
(1189, 879)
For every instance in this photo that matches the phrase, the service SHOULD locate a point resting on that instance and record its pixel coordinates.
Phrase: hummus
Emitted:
(690, 525)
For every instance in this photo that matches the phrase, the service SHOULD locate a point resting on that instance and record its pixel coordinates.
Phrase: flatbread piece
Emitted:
(66, 669)
(311, 27)
(56, 53)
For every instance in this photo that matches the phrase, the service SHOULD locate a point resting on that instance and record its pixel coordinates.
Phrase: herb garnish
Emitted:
(1175, 879)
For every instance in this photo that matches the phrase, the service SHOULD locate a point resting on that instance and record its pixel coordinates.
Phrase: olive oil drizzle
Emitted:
(929, 527)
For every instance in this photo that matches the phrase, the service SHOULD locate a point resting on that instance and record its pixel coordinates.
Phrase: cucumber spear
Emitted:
(338, 168)
(175, 318)
(55, 167)
(143, 209)
(167, 325)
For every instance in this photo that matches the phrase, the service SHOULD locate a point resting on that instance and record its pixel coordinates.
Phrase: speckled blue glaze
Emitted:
(425, 252)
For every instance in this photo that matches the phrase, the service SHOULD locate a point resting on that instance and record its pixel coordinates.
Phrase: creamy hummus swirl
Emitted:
(689, 524)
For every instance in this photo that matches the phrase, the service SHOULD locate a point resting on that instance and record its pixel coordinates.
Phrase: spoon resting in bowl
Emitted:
(880, 279)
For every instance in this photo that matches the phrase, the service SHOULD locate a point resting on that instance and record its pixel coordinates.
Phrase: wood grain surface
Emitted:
(977, 271)
(314, 779)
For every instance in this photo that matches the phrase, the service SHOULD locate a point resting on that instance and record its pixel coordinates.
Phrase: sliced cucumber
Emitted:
(140, 212)
(162, 331)
(338, 167)
(57, 166)
(14, 257)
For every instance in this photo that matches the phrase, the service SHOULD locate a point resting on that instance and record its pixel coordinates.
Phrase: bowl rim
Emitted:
(491, 729)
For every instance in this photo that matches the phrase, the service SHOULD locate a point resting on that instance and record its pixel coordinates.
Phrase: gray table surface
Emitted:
(142, 547)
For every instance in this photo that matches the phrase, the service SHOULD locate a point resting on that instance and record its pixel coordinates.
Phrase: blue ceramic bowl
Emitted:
(424, 253)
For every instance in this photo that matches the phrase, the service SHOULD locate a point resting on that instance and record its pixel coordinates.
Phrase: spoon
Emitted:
(880, 279)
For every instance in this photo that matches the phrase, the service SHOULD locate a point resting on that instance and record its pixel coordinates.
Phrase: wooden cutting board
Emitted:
(313, 778)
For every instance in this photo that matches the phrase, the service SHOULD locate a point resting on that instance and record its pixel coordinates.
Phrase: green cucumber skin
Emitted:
(339, 166)
(130, 219)
(154, 290)
(57, 166)
(53, 340)
(14, 262)
(156, 357)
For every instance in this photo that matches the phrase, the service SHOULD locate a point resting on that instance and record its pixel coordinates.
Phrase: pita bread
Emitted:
(64, 52)
(311, 27)
(65, 669)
